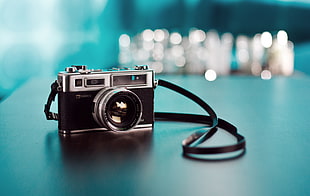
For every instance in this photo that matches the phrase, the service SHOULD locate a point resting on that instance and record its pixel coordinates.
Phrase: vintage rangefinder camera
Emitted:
(117, 99)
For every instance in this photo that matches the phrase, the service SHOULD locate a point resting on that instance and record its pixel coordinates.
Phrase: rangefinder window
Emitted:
(95, 82)
(129, 80)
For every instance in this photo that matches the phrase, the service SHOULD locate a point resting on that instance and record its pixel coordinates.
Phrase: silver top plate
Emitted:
(91, 81)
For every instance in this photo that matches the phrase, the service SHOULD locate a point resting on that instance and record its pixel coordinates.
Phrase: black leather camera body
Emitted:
(116, 99)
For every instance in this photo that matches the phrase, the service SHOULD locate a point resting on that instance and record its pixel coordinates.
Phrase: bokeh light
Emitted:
(266, 39)
(282, 37)
(210, 75)
(159, 35)
(175, 38)
(148, 35)
(266, 75)
(124, 40)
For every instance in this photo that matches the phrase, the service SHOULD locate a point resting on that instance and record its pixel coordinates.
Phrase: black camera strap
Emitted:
(54, 91)
(190, 144)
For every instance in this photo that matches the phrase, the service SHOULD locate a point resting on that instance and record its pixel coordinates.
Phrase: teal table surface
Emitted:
(273, 115)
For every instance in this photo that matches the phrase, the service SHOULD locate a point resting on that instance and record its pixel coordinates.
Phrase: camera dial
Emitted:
(80, 67)
(71, 69)
(141, 67)
(117, 109)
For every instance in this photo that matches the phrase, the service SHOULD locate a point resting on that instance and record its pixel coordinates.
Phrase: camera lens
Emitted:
(117, 109)
(121, 110)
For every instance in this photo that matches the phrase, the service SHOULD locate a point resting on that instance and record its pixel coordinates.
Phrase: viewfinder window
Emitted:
(95, 82)
(129, 80)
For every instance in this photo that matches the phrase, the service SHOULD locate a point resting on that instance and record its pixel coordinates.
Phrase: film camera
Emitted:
(117, 99)
(123, 99)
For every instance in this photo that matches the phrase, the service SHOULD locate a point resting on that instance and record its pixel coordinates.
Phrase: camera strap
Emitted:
(190, 145)
(54, 91)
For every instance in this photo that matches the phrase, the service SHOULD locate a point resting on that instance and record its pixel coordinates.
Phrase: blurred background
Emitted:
(39, 38)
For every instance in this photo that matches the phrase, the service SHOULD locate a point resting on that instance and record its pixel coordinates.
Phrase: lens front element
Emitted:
(121, 109)
(117, 109)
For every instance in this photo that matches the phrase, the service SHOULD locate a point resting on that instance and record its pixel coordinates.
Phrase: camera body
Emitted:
(116, 99)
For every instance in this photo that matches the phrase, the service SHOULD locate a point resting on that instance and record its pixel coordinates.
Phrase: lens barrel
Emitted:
(117, 109)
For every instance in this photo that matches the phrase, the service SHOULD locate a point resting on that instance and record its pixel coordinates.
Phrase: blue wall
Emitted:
(39, 38)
